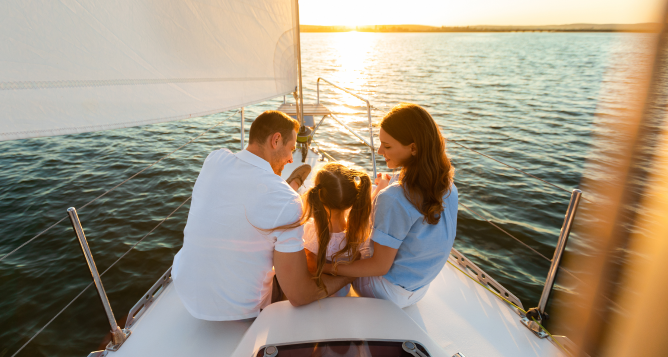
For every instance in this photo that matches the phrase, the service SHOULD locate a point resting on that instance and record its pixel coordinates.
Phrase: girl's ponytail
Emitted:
(321, 220)
(358, 220)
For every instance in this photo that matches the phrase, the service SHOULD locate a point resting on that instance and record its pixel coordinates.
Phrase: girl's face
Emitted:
(395, 153)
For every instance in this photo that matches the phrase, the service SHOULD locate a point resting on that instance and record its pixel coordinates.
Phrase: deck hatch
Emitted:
(342, 348)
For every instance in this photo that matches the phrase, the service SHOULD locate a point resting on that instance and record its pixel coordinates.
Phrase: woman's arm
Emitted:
(378, 265)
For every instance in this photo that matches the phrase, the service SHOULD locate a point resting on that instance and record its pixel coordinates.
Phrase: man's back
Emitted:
(224, 270)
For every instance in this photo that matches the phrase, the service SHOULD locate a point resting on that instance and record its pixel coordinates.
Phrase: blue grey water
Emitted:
(532, 100)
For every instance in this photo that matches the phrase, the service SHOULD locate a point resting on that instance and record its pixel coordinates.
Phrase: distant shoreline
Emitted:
(638, 28)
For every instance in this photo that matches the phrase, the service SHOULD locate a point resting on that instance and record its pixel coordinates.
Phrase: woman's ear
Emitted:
(413, 149)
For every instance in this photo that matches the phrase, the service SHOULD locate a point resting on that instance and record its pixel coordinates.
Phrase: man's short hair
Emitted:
(269, 123)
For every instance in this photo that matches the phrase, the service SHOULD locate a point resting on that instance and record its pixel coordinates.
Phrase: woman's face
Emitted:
(395, 153)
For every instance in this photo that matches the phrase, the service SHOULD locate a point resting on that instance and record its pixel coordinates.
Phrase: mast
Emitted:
(300, 102)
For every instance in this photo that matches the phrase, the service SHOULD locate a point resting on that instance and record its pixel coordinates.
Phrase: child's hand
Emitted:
(327, 268)
(382, 181)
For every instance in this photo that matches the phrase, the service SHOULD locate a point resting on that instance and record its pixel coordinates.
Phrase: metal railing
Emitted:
(559, 251)
(118, 336)
(368, 111)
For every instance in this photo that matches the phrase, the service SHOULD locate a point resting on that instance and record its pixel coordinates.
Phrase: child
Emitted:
(336, 212)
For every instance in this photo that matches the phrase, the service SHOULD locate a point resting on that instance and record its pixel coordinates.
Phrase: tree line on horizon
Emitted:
(642, 27)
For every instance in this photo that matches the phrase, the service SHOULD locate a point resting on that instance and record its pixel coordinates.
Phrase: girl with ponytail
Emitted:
(336, 219)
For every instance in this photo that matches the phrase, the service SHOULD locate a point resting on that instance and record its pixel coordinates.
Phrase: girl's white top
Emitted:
(336, 242)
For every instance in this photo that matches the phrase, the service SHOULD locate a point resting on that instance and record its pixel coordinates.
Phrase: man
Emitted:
(224, 270)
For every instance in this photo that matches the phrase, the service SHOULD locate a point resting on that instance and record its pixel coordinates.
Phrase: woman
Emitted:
(415, 216)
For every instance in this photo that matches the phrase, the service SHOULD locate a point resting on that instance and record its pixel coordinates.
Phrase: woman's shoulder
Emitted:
(392, 195)
(451, 200)
(392, 192)
(393, 200)
(451, 194)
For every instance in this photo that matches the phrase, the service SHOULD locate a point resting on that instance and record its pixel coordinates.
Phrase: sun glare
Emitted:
(352, 62)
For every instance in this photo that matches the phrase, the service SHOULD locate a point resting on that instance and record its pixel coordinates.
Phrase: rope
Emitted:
(510, 303)
(490, 290)
(104, 272)
(514, 168)
(552, 337)
(113, 188)
(508, 234)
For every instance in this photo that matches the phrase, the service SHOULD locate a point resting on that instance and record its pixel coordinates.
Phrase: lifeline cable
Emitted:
(544, 257)
(502, 230)
(106, 270)
(115, 187)
(514, 168)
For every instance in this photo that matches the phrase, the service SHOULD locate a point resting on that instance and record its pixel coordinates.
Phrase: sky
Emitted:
(477, 12)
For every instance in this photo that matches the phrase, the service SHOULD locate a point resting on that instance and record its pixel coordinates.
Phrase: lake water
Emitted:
(529, 99)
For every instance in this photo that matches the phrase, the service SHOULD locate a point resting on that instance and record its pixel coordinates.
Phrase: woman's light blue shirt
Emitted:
(423, 248)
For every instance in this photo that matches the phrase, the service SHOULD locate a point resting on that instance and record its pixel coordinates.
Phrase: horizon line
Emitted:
(436, 26)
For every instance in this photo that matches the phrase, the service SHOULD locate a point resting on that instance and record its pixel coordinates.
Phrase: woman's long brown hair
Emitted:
(428, 175)
(336, 188)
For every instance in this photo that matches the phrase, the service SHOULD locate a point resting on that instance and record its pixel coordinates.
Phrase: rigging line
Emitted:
(106, 270)
(619, 307)
(502, 230)
(115, 187)
(53, 318)
(146, 235)
(514, 168)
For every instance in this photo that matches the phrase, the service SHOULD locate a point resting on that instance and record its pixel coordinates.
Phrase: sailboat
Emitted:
(79, 66)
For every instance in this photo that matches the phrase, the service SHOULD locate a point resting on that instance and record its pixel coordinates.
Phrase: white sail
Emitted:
(73, 66)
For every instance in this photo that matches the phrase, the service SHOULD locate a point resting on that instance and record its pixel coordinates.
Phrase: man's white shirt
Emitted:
(225, 269)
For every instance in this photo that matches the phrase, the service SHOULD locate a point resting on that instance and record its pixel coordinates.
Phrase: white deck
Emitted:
(456, 315)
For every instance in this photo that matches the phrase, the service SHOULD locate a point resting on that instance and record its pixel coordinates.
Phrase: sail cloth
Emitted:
(73, 66)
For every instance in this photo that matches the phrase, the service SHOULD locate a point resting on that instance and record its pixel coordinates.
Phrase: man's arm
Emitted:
(311, 261)
(298, 284)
